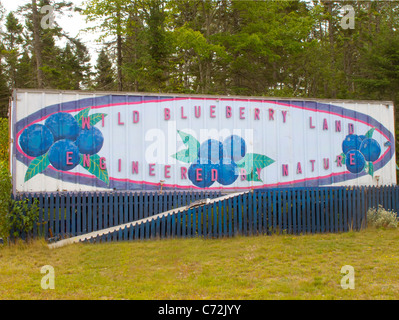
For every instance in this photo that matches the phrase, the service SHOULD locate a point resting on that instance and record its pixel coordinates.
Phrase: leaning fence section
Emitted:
(69, 214)
(268, 211)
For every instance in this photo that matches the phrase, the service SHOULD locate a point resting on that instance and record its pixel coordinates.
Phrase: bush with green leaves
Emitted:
(16, 217)
(5, 200)
(382, 218)
(4, 141)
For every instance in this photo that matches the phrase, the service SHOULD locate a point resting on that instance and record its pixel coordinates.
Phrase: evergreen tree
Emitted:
(105, 76)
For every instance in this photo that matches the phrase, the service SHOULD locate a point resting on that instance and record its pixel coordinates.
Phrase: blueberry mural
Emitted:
(64, 142)
(221, 161)
(142, 145)
(360, 151)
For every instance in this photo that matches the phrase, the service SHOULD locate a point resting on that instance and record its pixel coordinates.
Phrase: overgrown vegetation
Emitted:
(17, 218)
(382, 218)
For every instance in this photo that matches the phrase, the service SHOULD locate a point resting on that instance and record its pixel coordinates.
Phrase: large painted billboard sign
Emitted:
(77, 142)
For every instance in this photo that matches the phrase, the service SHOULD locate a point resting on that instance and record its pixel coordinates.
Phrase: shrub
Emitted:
(382, 218)
(4, 141)
(23, 216)
(18, 217)
(5, 200)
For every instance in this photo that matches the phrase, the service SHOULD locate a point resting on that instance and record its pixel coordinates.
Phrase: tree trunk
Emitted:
(119, 50)
(37, 45)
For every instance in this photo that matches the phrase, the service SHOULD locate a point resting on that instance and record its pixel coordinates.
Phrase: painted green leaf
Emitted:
(191, 153)
(343, 158)
(369, 133)
(189, 140)
(252, 161)
(184, 156)
(37, 166)
(96, 118)
(82, 114)
(371, 169)
(95, 169)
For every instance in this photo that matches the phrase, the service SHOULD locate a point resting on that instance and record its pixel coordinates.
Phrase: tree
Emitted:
(105, 77)
(12, 39)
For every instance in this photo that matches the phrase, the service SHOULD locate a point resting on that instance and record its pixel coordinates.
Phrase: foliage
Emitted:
(382, 218)
(4, 142)
(23, 217)
(5, 200)
(16, 217)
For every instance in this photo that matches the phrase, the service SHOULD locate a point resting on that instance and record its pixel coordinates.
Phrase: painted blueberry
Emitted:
(355, 161)
(235, 147)
(371, 149)
(64, 155)
(63, 126)
(362, 137)
(227, 171)
(211, 150)
(351, 142)
(90, 141)
(202, 173)
(35, 140)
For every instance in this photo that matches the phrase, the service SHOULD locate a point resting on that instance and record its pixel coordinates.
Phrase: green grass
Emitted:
(261, 267)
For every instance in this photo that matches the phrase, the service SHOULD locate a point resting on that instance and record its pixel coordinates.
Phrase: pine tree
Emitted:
(12, 40)
(105, 76)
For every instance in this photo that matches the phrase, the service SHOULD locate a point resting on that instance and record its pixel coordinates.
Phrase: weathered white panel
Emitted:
(140, 142)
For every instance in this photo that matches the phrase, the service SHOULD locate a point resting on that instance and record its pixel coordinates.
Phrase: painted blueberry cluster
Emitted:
(217, 162)
(358, 150)
(62, 139)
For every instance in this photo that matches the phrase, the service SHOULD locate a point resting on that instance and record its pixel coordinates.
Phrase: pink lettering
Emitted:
(242, 113)
(325, 124)
(197, 111)
(338, 126)
(69, 158)
(182, 113)
(257, 111)
(86, 160)
(326, 163)
(352, 159)
(299, 168)
(285, 170)
(198, 175)
(284, 115)
(339, 161)
(214, 175)
(136, 116)
(151, 170)
(135, 167)
(86, 122)
(103, 165)
(212, 110)
(119, 120)
(271, 114)
(312, 161)
(167, 114)
(228, 112)
(351, 128)
(243, 174)
(183, 173)
(167, 171)
(311, 124)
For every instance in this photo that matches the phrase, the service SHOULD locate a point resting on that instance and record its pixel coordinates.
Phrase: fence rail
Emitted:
(290, 210)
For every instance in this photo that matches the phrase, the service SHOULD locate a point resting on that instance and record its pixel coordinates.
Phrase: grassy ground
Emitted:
(262, 267)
